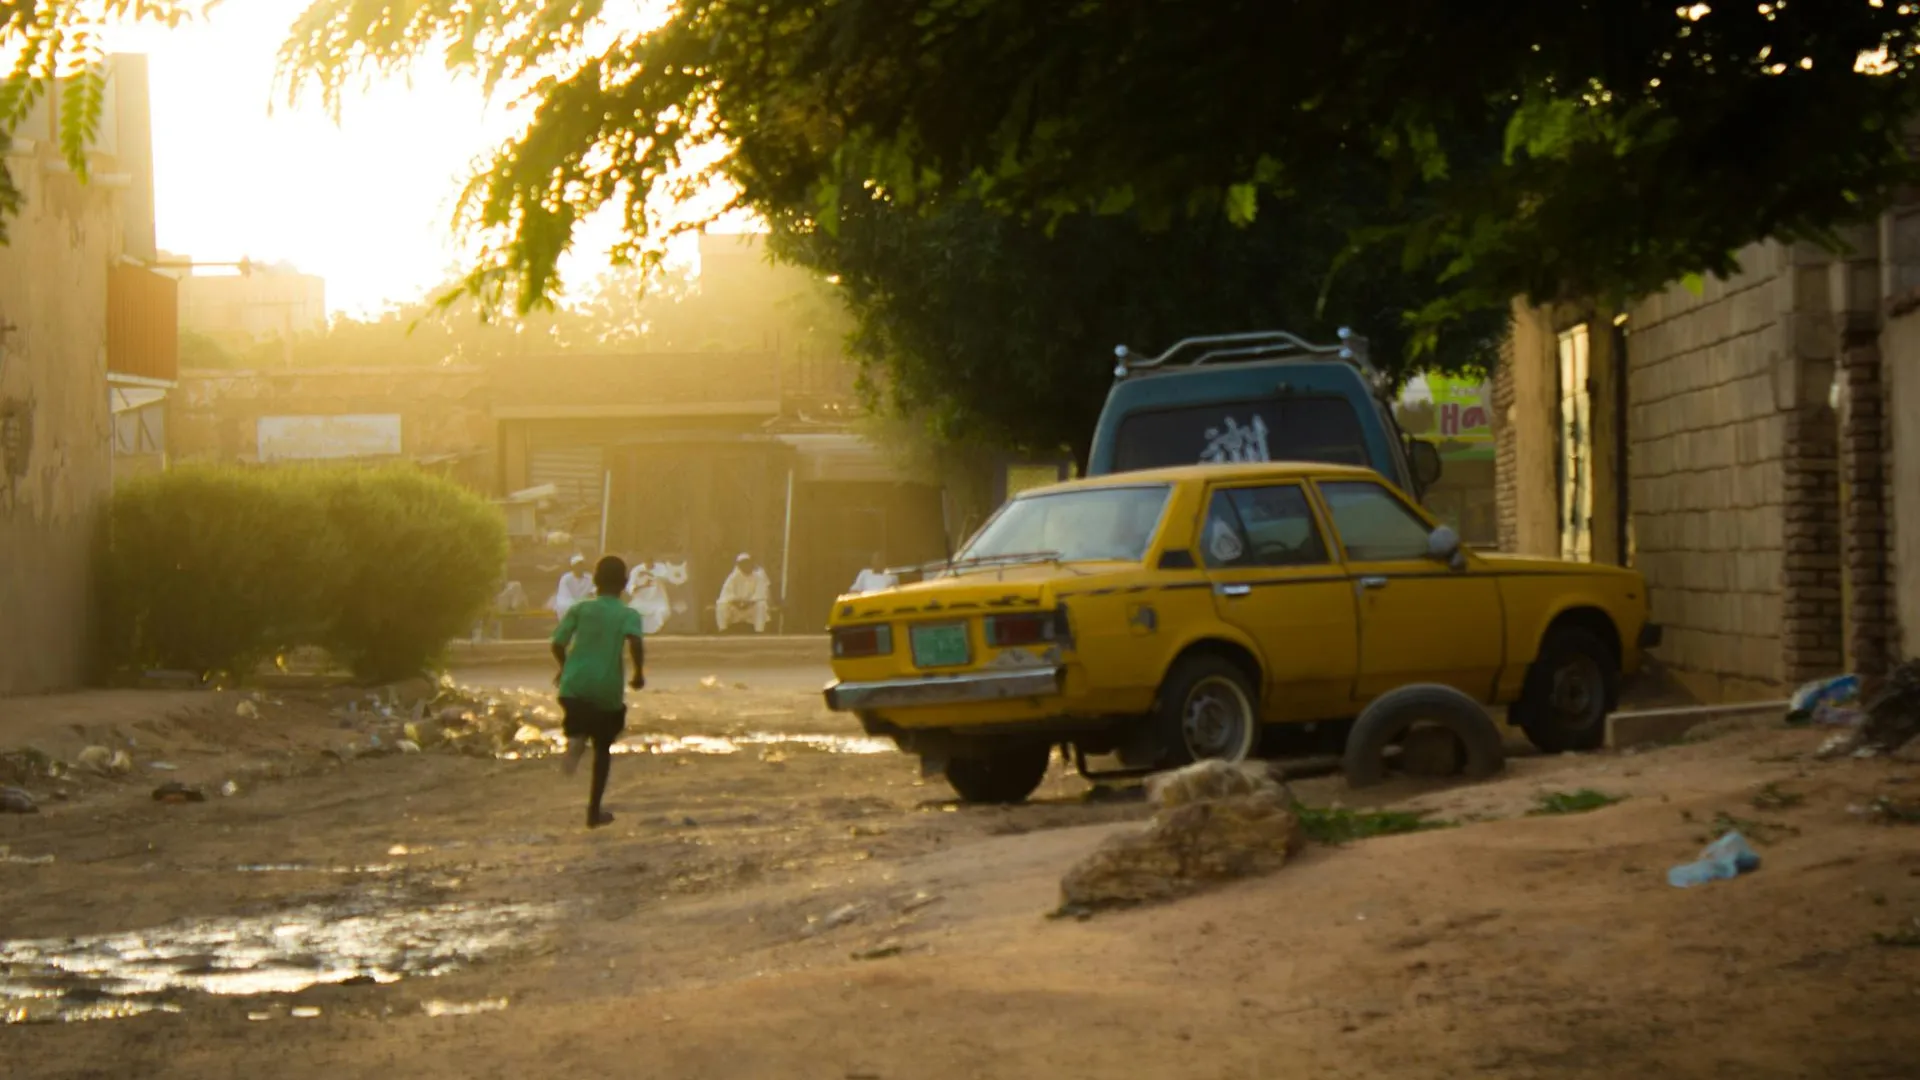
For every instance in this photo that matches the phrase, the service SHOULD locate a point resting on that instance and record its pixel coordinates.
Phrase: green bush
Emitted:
(427, 558)
(213, 569)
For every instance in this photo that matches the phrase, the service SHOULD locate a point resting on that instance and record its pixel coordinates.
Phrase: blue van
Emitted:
(1263, 396)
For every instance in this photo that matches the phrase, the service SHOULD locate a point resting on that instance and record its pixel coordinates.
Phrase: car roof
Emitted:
(1180, 474)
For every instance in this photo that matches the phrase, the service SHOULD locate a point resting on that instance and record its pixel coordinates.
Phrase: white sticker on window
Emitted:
(1236, 443)
(1223, 545)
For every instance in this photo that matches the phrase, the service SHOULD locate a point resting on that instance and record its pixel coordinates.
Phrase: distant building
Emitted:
(253, 303)
(87, 342)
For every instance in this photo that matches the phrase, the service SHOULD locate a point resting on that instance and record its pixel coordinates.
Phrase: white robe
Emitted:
(573, 589)
(874, 581)
(647, 596)
(743, 598)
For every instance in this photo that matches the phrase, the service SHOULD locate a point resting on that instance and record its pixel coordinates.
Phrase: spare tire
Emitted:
(1393, 714)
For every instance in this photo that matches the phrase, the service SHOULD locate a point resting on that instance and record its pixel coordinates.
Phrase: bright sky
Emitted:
(365, 204)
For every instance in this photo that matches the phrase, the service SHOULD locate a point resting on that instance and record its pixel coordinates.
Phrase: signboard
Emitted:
(1460, 409)
(309, 438)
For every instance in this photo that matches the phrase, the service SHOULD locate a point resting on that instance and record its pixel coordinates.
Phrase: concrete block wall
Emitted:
(1707, 481)
(55, 425)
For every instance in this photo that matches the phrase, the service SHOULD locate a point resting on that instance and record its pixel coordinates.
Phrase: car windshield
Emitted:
(1088, 524)
(1302, 428)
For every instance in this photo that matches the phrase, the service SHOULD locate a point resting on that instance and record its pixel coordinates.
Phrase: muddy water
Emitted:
(552, 741)
(377, 937)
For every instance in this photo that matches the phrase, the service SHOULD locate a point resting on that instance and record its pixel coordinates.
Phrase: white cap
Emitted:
(742, 557)
(578, 560)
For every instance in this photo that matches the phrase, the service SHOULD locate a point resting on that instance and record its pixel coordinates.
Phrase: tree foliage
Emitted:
(1000, 332)
(1545, 147)
(52, 52)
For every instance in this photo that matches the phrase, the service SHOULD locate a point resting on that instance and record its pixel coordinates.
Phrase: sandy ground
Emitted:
(796, 909)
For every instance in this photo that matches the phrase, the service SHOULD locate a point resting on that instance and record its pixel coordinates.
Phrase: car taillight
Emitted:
(853, 642)
(1005, 631)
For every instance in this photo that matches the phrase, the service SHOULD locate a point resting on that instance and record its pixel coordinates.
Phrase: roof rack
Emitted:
(1258, 345)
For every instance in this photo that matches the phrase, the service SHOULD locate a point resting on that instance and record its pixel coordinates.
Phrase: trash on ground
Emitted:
(463, 1008)
(881, 951)
(527, 733)
(247, 710)
(710, 682)
(408, 746)
(173, 791)
(163, 766)
(1725, 858)
(7, 856)
(1826, 701)
(1890, 721)
(230, 789)
(15, 800)
(1214, 822)
(97, 759)
(304, 1012)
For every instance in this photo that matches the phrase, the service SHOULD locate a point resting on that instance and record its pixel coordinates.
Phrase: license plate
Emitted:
(941, 646)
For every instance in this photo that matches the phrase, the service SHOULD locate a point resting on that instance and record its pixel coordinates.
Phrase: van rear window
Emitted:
(1303, 428)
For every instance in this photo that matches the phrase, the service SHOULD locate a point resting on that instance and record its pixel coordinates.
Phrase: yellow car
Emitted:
(1172, 615)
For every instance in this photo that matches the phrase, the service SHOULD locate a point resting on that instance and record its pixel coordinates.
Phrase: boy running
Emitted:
(591, 675)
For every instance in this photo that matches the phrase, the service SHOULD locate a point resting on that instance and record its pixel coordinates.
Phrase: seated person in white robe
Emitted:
(744, 598)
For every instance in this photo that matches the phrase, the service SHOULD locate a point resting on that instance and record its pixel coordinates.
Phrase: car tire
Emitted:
(1004, 773)
(1206, 709)
(1569, 691)
(1393, 714)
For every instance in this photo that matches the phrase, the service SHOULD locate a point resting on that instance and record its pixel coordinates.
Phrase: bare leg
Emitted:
(602, 763)
(570, 762)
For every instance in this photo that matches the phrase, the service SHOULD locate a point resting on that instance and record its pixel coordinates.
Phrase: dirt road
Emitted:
(773, 906)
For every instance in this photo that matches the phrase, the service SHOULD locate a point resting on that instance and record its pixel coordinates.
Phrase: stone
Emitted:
(1216, 822)
(15, 800)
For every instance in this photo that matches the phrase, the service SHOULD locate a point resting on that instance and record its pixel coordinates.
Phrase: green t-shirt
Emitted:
(597, 631)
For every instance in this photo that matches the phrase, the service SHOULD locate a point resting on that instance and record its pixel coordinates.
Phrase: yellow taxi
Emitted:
(1172, 615)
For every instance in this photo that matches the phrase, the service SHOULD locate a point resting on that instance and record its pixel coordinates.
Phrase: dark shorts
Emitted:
(585, 720)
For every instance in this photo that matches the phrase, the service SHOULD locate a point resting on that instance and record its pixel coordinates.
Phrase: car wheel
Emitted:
(1564, 703)
(1207, 710)
(1004, 773)
(1397, 714)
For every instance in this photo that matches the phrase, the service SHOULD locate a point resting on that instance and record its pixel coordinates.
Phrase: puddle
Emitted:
(552, 742)
(308, 868)
(733, 744)
(108, 976)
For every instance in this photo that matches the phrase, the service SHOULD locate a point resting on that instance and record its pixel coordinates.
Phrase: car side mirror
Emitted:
(1424, 461)
(1443, 545)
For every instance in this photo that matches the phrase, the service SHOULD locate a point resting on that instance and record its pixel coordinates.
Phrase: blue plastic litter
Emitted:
(1728, 857)
(1823, 696)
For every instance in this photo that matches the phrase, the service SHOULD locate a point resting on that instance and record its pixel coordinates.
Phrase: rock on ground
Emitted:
(1215, 822)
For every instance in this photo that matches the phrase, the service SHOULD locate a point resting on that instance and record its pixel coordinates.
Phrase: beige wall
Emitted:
(1530, 421)
(214, 415)
(1706, 433)
(53, 305)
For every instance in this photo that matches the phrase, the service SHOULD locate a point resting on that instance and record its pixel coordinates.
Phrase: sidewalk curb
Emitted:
(1649, 726)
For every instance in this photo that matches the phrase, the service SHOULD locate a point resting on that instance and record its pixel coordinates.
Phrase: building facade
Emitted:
(83, 319)
(1733, 440)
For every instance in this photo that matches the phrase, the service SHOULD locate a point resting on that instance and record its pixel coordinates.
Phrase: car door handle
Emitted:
(1236, 590)
(1373, 583)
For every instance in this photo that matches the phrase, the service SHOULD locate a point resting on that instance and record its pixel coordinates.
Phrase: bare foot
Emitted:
(597, 820)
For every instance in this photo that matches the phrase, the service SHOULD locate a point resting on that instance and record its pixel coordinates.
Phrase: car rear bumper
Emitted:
(943, 690)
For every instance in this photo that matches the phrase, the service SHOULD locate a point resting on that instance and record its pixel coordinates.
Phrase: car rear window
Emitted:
(1304, 428)
(1083, 524)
